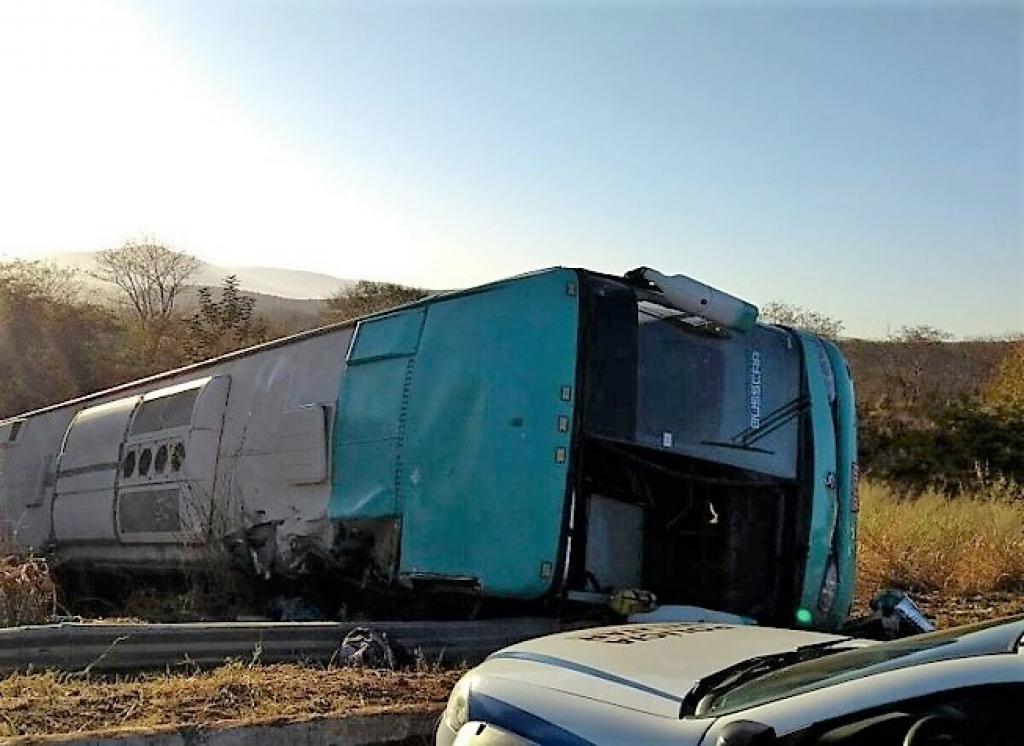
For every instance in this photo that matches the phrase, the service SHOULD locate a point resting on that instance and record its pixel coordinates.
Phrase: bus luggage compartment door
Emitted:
(87, 469)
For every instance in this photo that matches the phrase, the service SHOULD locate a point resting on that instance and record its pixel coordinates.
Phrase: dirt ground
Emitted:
(57, 703)
(951, 610)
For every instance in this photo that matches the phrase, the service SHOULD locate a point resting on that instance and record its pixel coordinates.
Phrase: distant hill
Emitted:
(284, 283)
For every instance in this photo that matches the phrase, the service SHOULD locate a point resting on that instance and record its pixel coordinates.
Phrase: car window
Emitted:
(977, 716)
(986, 638)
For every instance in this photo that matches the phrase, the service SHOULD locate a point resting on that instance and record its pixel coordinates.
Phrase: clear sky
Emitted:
(861, 159)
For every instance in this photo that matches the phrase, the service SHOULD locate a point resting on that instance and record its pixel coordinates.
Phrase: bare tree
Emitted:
(922, 333)
(787, 314)
(150, 275)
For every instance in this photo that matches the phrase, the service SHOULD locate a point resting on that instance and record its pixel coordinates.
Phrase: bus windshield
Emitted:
(728, 398)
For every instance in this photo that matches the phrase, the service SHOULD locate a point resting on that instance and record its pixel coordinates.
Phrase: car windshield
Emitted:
(987, 638)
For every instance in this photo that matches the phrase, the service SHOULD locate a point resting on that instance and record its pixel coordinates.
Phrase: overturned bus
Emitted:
(550, 438)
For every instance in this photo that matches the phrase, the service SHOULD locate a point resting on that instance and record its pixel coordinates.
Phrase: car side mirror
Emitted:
(747, 733)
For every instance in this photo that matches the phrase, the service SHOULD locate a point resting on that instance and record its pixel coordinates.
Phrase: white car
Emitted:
(726, 685)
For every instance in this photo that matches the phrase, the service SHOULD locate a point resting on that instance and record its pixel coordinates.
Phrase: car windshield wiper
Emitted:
(707, 689)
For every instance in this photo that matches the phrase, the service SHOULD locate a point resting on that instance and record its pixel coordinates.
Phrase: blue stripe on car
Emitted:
(551, 660)
(495, 712)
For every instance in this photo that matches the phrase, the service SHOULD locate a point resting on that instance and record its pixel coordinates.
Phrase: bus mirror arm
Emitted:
(686, 294)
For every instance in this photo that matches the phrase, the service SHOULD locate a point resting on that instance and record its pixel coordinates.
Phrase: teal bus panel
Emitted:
(825, 508)
(846, 463)
(367, 427)
(387, 336)
(372, 401)
(486, 438)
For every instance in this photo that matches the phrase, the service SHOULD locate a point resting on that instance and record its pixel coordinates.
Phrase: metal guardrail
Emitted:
(99, 647)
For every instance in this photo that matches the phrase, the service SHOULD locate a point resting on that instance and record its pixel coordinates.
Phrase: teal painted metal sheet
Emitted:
(825, 500)
(846, 465)
(367, 428)
(482, 483)
(372, 401)
(393, 335)
(475, 457)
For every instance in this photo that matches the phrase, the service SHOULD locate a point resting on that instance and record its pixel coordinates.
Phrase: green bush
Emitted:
(943, 449)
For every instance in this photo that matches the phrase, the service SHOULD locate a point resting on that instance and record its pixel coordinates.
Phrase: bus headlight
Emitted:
(456, 713)
(829, 586)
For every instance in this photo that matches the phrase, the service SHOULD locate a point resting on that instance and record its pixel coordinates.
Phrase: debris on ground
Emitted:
(369, 649)
(60, 703)
(951, 610)
(28, 594)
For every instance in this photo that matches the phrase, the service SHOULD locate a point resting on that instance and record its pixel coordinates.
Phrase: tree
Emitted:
(920, 334)
(150, 275)
(787, 314)
(1007, 389)
(39, 279)
(912, 388)
(224, 325)
(53, 346)
(366, 297)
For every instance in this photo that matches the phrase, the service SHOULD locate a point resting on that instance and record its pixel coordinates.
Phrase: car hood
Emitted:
(645, 667)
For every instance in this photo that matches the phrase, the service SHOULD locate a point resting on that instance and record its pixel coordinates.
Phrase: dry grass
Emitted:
(57, 703)
(969, 544)
(27, 591)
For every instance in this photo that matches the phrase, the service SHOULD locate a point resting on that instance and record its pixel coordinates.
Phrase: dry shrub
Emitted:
(27, 591)
(967, 544)
(53, 703)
